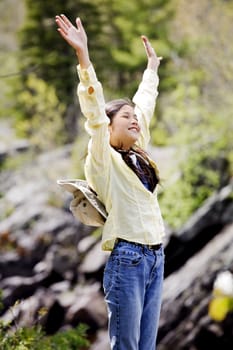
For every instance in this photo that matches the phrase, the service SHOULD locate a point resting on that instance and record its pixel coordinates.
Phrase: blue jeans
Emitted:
(133, 280)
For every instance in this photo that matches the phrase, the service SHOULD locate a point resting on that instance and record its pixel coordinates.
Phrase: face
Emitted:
(124, 128)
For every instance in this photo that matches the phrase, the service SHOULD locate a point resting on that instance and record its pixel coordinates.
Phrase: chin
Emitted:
(135, 138)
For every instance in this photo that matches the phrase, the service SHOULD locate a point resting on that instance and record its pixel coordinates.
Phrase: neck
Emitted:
(122, 147)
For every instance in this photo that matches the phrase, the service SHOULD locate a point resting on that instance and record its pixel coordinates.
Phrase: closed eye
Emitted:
(127, 116)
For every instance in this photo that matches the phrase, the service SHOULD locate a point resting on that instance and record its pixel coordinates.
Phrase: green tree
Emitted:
(45, 128)
(42, 48)
(114, 30)
(49, 58)
(197, 116)
(11, 13)
(125, 54)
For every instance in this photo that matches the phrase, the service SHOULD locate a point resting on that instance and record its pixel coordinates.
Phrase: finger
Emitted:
(61, 24)
(80, 25)
(63, 33)
(146, 43)
(144, 38)
(66, 21)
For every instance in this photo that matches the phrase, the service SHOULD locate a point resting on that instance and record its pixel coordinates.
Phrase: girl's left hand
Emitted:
(153, 59)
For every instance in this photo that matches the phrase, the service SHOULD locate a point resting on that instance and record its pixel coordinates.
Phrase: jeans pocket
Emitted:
(130, 258)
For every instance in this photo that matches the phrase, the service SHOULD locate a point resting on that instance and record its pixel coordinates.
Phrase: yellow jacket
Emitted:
(133, 211)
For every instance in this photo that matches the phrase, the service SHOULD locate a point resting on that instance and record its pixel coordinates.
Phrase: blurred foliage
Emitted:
(18, 160)
(11, 14)
(45, 128)
(41, 56)
(196, 116)
(204, 152)
(112, 45)
(126, 55)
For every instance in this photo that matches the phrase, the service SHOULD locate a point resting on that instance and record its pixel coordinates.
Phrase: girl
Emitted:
(125, 178)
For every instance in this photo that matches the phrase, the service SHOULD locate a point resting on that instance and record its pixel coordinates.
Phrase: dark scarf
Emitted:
(141, 167)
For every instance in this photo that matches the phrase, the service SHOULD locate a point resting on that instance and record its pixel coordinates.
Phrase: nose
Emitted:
(134, 123)
(134, 120)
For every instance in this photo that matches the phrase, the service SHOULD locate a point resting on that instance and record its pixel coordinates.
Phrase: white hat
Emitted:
(85, 206)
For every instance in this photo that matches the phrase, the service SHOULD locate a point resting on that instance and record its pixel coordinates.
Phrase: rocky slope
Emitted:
(48, 259)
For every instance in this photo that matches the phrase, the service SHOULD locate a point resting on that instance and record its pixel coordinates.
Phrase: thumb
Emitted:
(79, 23)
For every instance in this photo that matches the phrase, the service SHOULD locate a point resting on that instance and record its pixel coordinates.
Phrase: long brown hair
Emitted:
(111, 108)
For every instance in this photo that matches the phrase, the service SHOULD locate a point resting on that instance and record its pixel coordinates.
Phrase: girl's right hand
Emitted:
(76, 37)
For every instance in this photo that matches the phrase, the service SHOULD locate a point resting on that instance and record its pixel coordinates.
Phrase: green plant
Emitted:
(34, 338)
(13, 337)
(202, 173)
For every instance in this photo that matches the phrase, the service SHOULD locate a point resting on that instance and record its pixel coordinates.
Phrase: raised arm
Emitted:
(76, 37)
(90, 94)
(153, 61)
(146, 95)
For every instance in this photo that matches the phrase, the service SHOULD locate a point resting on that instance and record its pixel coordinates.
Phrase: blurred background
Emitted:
(51, 265)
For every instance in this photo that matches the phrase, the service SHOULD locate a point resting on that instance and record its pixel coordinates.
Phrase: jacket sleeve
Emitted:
(145, 100)
(92, 105)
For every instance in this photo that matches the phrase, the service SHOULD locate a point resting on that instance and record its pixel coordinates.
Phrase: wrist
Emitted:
(153, 67)
(83, 59)
(153, 64)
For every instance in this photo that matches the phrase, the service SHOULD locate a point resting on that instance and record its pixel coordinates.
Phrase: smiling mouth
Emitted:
(134, 129)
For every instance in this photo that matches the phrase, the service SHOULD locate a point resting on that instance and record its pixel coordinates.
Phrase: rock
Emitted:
(86, 244)
(62, 260)
(187, 293)
(203, 225)
(94, 260)
(11, 150)
(60, 287)
(16, 287)
(101, 342)
(19, 146)
(89, 308)
(3, 153)
(50, 261)
(44, 310)
(12, 265)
